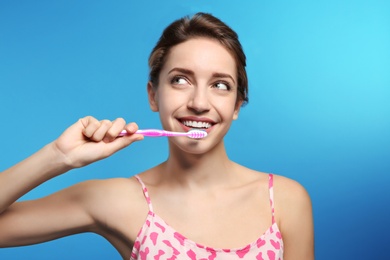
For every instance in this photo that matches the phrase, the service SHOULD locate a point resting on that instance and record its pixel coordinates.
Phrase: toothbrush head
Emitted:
(196, 134)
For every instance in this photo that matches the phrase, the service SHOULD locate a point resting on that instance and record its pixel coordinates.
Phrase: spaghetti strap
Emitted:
(145, 191)
(271, 195)
(157, 240)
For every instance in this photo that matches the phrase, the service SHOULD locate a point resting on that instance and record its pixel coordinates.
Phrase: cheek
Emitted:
(169, 101)
(226, 107)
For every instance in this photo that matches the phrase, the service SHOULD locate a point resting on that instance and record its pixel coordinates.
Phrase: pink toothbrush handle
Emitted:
(155, 133)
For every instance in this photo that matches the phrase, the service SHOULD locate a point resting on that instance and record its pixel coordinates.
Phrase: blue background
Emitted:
(319, 110)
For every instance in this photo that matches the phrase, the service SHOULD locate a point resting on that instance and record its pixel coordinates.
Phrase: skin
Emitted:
(194, 191)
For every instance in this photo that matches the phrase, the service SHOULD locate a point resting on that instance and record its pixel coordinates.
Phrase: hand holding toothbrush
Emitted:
(90, 140)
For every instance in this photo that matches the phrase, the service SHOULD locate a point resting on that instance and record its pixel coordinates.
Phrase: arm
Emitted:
(86, 141)
(296, 220)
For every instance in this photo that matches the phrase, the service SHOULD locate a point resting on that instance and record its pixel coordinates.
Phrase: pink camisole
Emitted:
(157, 241)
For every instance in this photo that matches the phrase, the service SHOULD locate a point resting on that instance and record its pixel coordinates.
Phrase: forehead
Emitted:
(201, 55)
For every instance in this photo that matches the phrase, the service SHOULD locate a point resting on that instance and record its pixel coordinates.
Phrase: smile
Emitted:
(196, 124)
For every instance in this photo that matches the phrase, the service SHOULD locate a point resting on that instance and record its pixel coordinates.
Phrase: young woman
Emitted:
(198, 204)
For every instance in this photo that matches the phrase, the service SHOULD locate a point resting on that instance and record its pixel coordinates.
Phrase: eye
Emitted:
(222, 86)
(179, 80)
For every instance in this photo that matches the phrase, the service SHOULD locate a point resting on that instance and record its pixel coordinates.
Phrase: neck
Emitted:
(198, 170)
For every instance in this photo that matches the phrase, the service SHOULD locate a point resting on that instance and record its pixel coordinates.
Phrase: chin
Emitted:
(193, 146)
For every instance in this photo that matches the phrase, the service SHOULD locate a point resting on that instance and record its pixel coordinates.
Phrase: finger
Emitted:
(115, 129)
(101, 131)
(131, 128)
(90, 125)
(120, 143)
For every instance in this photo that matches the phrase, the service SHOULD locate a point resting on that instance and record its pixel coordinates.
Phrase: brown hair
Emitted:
(200, 25)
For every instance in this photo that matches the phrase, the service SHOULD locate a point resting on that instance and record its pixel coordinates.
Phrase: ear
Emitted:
(237, 109)
(152, 96)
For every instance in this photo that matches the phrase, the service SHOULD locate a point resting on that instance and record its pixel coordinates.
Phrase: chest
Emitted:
(226, 221)
(158, 239)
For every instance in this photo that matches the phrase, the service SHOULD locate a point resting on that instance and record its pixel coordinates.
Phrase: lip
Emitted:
(198, 119)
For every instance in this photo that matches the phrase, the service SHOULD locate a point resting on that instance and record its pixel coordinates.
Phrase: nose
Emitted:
(199, 100)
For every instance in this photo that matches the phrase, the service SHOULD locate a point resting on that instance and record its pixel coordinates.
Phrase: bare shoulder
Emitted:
(109, 186)
(291, 198)
(288, 190)
(293, 212)
(96, 205)
(112, 193)
(117, 206)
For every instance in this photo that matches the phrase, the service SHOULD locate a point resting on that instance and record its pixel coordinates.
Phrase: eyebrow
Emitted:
(223, 75)
(191, 73)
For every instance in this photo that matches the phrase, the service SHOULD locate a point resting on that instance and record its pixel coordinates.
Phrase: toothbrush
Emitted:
(193, 133)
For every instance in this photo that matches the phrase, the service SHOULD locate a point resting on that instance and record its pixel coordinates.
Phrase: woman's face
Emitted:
(197, 90)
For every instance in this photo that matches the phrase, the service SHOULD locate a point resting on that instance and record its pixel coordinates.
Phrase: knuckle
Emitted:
(120, 120)
(105, 122)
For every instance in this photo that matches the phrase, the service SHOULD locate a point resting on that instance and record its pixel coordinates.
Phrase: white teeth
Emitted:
(197, 124)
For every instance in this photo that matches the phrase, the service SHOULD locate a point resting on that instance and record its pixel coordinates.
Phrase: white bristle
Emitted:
(196, 134)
